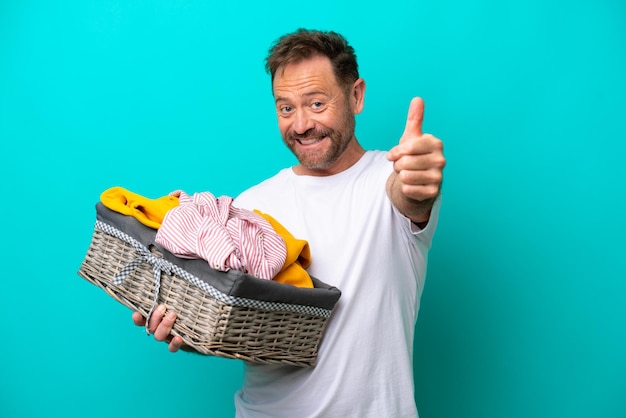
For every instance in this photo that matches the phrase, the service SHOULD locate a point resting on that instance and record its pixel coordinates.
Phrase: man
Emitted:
(369, 218)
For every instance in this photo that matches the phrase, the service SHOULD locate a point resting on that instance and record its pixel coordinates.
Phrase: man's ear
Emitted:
(357, 96)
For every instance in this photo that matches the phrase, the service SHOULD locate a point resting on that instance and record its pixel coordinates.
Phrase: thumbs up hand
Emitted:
(418, 164)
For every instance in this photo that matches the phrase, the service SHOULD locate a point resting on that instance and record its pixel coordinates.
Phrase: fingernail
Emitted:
(170, 315)
(161, 309)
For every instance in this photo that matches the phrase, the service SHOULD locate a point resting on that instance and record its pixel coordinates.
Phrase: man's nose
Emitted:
(302, 122)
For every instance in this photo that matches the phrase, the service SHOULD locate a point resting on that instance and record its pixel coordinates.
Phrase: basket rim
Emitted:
(143, 254)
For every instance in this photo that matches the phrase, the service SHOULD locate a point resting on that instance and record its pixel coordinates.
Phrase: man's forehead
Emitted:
(311, 72)
(316, 62)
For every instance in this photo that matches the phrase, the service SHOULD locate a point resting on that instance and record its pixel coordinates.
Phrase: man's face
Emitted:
(315, 117)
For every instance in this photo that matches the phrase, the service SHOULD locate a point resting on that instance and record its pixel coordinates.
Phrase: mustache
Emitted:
(311, 133)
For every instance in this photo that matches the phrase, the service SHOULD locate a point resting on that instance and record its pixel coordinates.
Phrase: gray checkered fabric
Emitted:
(159, 265)
(145, 256)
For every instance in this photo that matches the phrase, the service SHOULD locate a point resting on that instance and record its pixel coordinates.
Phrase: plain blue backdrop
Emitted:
(523, 313)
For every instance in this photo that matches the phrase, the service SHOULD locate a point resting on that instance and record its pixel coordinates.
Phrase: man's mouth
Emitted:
(309, 141)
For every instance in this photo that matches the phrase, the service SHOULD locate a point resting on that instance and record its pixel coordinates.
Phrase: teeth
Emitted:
(309, 141)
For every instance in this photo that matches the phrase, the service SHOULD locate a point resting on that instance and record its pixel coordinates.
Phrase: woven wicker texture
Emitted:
(207, 325)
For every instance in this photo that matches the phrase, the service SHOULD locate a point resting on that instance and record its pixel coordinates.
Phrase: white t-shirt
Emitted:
(362, 245)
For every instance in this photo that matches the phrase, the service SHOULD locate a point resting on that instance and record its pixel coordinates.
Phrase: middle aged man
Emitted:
(369, 218)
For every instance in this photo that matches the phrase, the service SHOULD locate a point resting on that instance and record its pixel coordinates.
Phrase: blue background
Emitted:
(523, 313)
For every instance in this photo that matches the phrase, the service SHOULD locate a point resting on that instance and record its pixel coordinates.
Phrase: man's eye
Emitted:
(286, 109)
(317, 105)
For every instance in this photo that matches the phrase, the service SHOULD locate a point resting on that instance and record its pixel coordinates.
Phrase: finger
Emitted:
(394, 153)
(408, 149)
(164, 329)
(412, 146)
(415, 118)
(175, 344)
(138, 319)
(420, 177)
(156, 317)
(420, 192)
(412, 163)
(422, 156)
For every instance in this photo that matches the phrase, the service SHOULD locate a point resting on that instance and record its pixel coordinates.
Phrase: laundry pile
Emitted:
(201, 226)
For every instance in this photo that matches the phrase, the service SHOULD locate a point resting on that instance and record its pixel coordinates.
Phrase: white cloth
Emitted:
(364, 246)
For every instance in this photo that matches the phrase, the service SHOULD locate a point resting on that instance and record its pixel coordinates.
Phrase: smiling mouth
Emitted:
(310, 141)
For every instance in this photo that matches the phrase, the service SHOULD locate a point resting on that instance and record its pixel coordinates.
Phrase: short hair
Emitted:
(304, 43)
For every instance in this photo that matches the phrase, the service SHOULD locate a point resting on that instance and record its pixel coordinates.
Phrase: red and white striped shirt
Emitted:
(227, 237)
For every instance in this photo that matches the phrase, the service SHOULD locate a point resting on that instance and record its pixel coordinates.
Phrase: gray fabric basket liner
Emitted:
(232, 283)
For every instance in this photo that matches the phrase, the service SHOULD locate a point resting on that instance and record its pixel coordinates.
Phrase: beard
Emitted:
(322, 159)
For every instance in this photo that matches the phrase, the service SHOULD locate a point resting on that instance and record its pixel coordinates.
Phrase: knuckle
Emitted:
(404, 176)
(408, 190)
(432, 191)
(436, 177)
(436, 142)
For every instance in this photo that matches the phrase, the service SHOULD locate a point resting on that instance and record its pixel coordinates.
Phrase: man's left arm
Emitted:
(418, 163)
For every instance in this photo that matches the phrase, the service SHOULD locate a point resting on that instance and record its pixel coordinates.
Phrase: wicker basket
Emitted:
(225, 314)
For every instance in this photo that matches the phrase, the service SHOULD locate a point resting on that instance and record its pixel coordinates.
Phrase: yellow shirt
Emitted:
(149, 212)
(298, 257)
